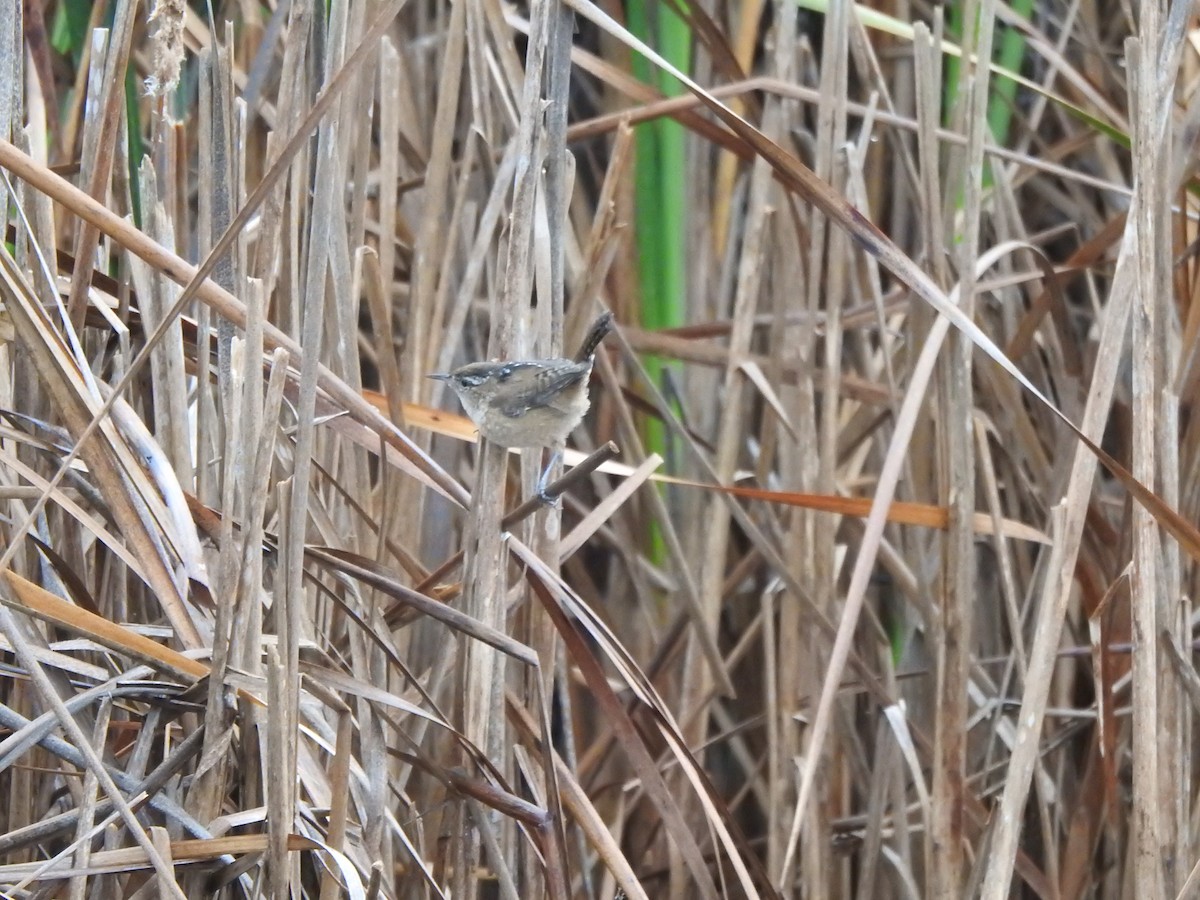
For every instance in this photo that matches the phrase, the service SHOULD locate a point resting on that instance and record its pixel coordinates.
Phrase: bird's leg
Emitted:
(544, 479)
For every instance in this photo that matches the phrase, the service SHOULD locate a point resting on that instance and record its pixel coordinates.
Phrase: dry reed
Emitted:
(856, 610)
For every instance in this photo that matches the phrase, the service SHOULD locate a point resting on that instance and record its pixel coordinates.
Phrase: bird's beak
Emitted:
(439, 376)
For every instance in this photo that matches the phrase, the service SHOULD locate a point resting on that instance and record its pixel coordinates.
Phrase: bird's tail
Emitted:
(595, 335)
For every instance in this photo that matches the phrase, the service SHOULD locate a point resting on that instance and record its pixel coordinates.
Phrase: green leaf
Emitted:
(69, 29)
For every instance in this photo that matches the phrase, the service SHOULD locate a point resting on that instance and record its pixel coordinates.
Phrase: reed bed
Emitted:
(871, 569)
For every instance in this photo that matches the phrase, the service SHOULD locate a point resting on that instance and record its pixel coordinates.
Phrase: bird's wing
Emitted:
(548, 390)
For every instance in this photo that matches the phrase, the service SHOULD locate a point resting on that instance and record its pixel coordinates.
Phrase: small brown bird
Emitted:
(530, 402)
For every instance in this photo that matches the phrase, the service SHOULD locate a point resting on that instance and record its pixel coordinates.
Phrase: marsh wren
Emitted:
(528, 402)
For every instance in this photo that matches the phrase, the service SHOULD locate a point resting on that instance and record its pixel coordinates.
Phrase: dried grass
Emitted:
(881, 616)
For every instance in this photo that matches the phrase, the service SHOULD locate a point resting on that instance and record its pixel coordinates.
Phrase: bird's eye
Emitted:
(472, 380)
